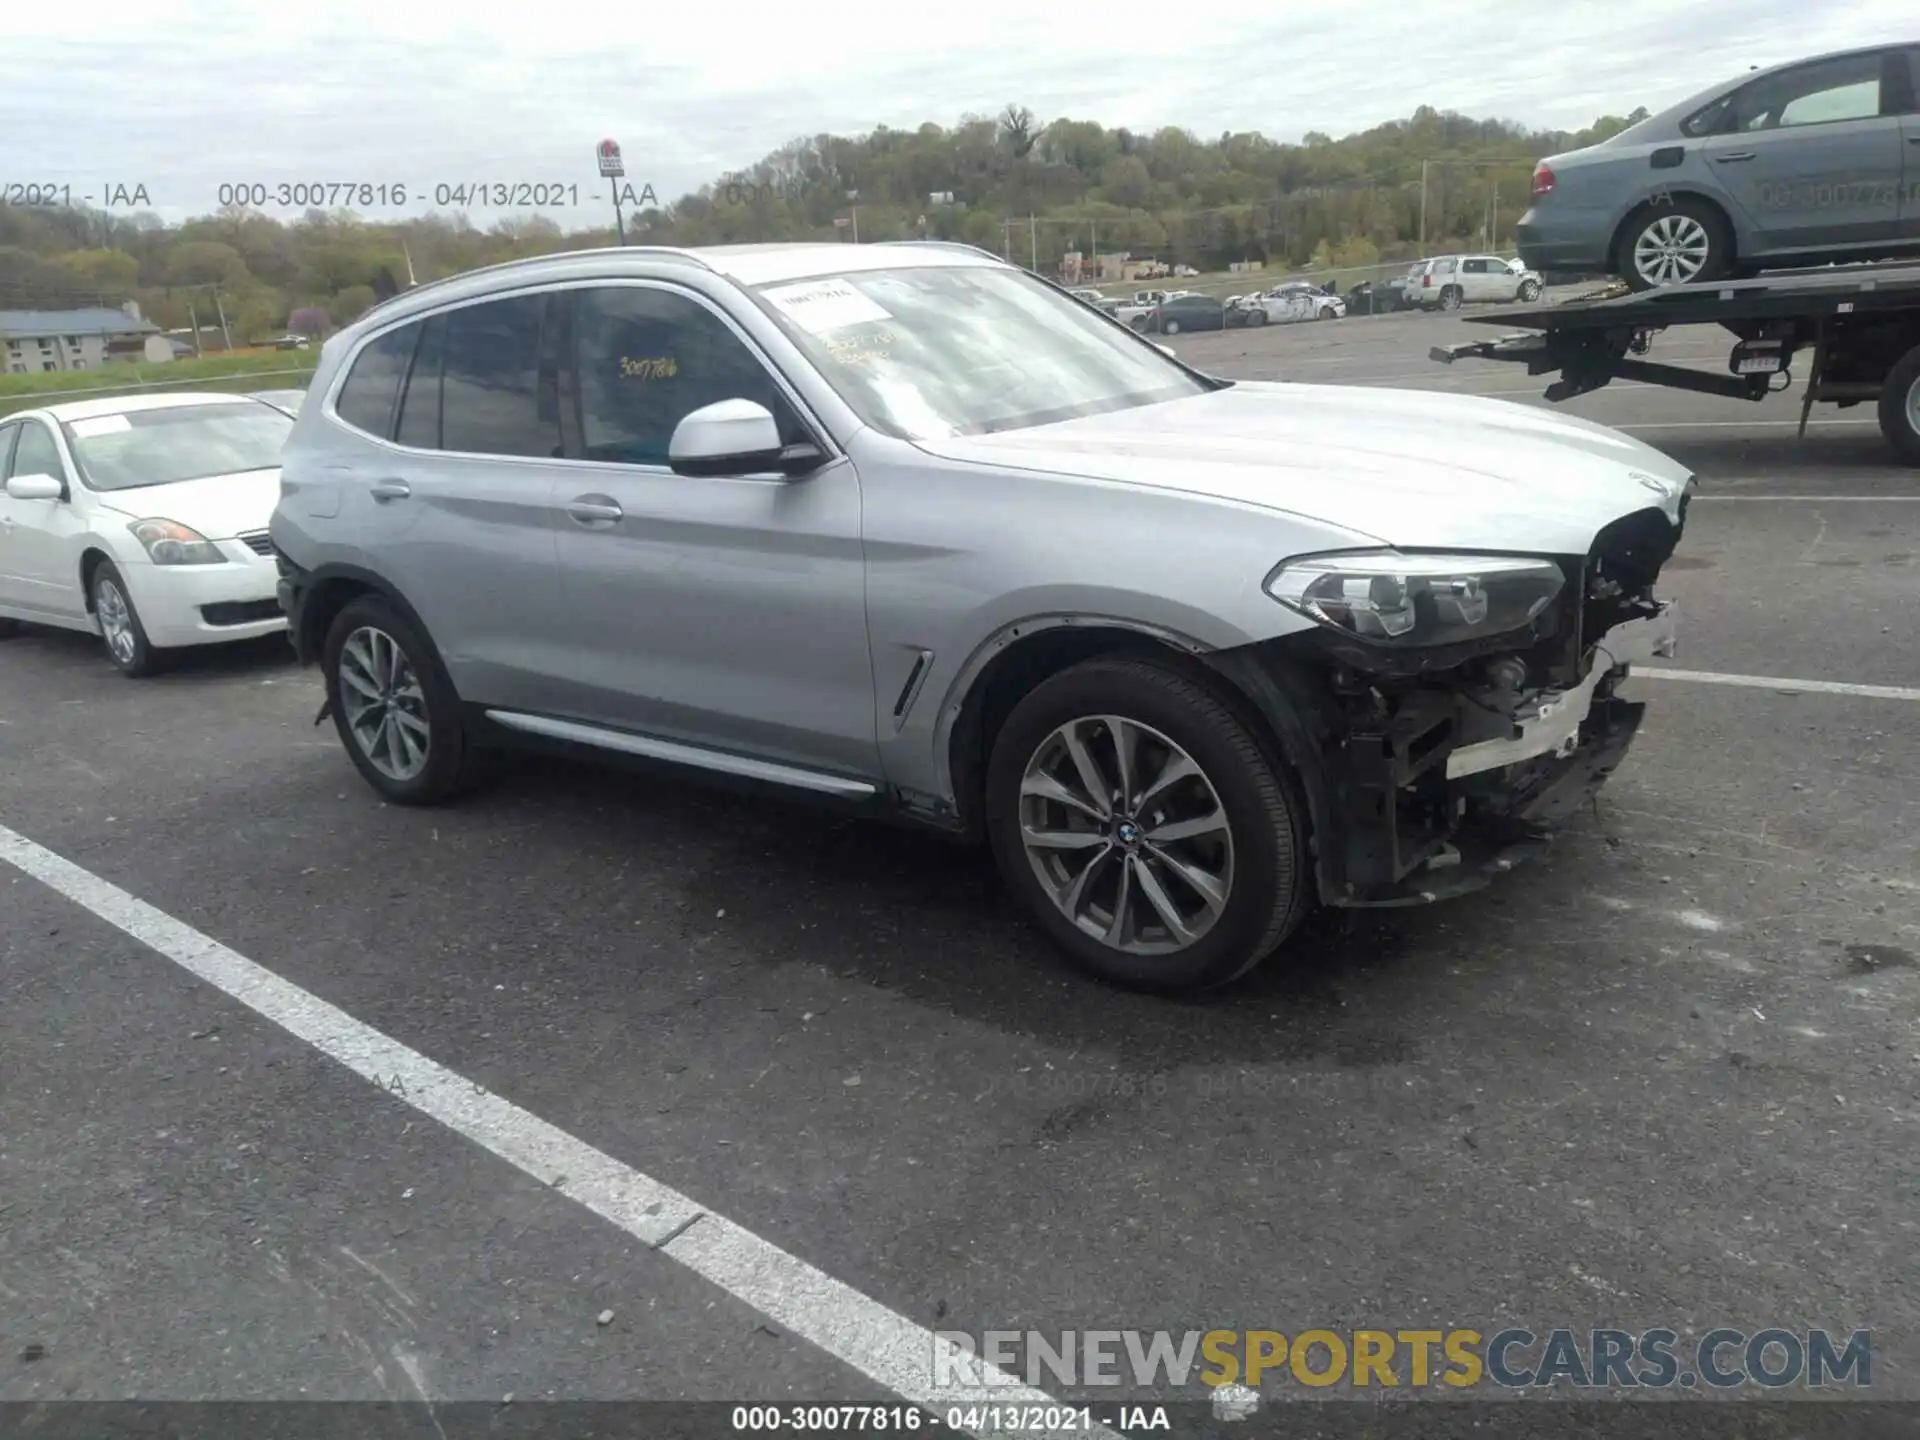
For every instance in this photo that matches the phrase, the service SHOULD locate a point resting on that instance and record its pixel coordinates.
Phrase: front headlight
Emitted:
(1390, 598)
(170, 543)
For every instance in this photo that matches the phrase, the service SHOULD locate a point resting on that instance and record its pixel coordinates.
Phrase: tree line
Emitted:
(1007, 183)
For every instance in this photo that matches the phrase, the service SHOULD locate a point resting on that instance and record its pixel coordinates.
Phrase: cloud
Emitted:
(186, 96)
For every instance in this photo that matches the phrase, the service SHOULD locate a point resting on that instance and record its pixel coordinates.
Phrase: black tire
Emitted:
(1139, 322)
(1270, 890)
(1256, 317)
(1529, 291)
(136, 657)
(1706, 215)
(452, 761)
(1170, 327)
(1900, 407)
(1451, 298)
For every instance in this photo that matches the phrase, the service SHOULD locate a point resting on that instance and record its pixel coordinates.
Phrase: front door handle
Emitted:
(594, 509)
(385, 490)
(1734, 155)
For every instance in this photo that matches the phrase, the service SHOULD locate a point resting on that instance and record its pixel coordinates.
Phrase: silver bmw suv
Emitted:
(906, 528)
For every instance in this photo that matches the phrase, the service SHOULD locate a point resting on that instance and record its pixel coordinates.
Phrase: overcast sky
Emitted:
(182, 95)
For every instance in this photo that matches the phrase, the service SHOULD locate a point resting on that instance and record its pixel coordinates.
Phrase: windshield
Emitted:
(157, 447)
(968, 350)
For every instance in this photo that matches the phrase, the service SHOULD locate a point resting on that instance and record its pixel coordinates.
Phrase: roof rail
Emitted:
(675, 252)
(959, 245)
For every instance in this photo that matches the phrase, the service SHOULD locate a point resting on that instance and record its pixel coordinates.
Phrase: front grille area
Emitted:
(240, 612)
(257, 541)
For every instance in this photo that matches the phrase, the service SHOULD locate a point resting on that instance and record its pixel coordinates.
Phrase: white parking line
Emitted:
(884, 1346)
(1776, 682)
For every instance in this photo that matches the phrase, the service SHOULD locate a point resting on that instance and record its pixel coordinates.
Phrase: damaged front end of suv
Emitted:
(1448, 709)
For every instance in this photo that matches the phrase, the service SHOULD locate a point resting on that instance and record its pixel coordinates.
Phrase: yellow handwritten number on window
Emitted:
(651, 367)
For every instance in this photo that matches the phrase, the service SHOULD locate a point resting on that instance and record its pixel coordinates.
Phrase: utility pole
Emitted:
(226, 336)
(1006, 240)
(1423, 209)
(193, 319)
(1033, 235)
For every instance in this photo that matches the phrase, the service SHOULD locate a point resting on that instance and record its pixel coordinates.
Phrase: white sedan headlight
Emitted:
(168, 542)
(1412, 600)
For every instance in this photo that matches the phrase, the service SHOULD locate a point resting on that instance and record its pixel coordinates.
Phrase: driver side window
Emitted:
(36, 454)
(645, 358)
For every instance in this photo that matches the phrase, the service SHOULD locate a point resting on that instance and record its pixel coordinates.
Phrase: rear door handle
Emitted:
(594, 509)
(1732, 156)
(385, 490)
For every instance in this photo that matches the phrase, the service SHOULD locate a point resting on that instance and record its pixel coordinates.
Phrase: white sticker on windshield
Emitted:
(98, 425)
(822, 305)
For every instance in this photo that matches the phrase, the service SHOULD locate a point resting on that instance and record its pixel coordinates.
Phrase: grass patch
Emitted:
(261, 370)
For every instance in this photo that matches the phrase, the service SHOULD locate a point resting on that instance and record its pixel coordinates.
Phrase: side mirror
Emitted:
(36, 487)
(735, 437)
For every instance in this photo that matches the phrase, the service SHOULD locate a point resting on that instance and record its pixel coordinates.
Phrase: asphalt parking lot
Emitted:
(1668, 1077)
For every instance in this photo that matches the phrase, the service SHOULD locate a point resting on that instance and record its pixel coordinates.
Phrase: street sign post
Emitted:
(612, 168)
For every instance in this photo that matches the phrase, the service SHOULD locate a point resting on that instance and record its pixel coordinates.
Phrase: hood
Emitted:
(218, 506)
(1409, 467)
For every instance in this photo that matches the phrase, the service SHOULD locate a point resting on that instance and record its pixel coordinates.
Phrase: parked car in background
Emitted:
(143, 520)
(1447, 282)
(1180, 313)
(1260, 646)
(287, 401)
(1297, 300)
(1377, 297)
(1813, 161)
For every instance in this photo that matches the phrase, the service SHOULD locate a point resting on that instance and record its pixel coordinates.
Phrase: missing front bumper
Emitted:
(1518, 826)
(1555, 724)
(1426, 819)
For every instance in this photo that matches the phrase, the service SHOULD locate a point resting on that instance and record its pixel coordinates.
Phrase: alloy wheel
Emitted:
(1126, 834)
(116, 621)
(1672, 250)
(384, 705)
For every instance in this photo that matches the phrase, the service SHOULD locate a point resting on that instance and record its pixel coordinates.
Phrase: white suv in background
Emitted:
(1447, 282)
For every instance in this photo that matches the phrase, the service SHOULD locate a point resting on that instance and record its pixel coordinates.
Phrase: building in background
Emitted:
(35, 340)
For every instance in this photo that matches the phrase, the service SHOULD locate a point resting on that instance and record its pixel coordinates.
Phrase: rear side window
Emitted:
(1831, 90)
(420, 397)
(373, 384)
(492, 401)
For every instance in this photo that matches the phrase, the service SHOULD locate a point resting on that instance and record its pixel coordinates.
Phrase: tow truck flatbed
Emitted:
(1861, 324)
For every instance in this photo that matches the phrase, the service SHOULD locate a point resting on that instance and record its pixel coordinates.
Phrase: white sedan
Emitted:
(143, 520)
